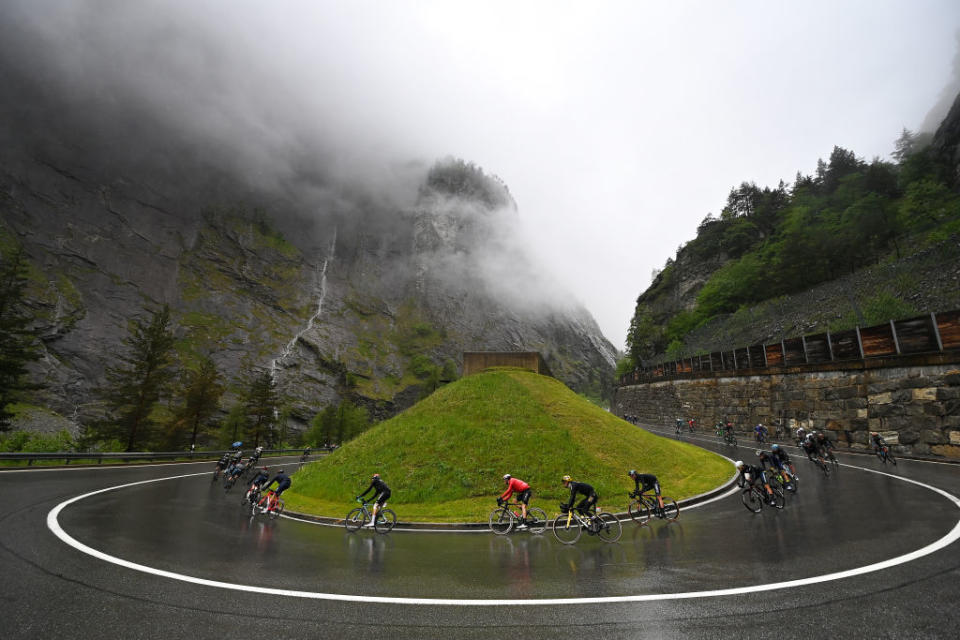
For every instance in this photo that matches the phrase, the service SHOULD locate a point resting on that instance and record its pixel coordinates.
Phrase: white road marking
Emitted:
(950, 538)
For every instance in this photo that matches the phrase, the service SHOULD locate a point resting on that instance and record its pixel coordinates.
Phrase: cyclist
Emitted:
(760, 433)
(258, 481)
(728, 429)
(381, 491)
(589, 501)
(649, 481)
(236, 470)
(679, 425)
(781, 459)
(523, 496)
(255, 456)
(877, 441)
(750, 474)
(824, 444)
(306, 453)
(691, 424)
(283, 483)
(223, 463)
(801, 435)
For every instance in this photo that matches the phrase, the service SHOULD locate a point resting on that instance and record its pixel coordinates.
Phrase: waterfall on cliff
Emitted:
(321, 295)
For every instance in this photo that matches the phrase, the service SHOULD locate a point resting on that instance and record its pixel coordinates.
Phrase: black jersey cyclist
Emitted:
(382, 493)
(283, 483)
(223, 463)
(781, 459)
(589, 501)
(679, 425)
(751, 474)
(809, 447)
(824, 443)
(877, 441)
(258, 481)
(645, 482)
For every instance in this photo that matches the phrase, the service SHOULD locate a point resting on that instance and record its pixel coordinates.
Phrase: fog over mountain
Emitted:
(139, 142)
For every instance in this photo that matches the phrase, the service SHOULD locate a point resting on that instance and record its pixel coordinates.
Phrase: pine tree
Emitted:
(18, 341)
(201, 391)
(261, 408)
(144, 375)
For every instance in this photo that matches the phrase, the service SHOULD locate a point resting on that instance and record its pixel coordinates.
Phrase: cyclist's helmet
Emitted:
(632, 472)
(566, 479)
(375, 476)
(506, 476)
(874, 434)
(775, 447)
(739, 464)
(760, 453)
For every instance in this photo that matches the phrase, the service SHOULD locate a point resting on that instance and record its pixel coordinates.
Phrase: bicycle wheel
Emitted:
(566, 530)
(354, 519)
(824, 468)
(500, 521)
(751, 500)
(640, 512)
(275, 512)
(670, 510)
(536, 520)
(610, 528)
(779, 501)
(892, 459)
(386, 518)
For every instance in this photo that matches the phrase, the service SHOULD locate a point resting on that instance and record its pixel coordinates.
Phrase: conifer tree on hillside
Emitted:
(261, 405)
(144, 375)
(18, 341)
(201, 392)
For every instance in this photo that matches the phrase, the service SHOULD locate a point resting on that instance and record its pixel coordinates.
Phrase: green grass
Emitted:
(444, 457)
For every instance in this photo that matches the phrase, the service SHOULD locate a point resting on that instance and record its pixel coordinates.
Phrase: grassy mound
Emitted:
(443, 458)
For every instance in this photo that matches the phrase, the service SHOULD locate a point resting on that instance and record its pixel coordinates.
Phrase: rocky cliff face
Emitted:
(367, 304)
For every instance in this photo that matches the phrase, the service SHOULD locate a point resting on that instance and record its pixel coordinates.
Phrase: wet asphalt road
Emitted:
(188, 526)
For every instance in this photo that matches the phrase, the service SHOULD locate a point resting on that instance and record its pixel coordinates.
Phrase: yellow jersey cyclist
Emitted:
(645, 482)
(585, 506)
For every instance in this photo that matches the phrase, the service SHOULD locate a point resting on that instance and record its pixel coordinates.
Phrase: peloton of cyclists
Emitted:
(645, 482)
(382, 493)
(589, 501)
(523, 492)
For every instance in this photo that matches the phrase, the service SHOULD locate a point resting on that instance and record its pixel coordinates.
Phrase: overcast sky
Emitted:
(616, 125)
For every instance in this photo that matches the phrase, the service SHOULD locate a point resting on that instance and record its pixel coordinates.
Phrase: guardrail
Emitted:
(931, 333)
(135, 456)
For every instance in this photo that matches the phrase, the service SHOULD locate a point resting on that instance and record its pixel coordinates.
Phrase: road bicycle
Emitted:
(729, 437)
(883, 452)
(644, 507)
(570, 525)
(755, 497)
(360, 516)
(269, 503)
(505, 517)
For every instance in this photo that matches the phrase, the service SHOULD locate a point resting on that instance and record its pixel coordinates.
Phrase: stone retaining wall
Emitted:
(916, 408)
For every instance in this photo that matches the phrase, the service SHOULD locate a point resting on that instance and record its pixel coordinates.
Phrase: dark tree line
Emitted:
(774, 241)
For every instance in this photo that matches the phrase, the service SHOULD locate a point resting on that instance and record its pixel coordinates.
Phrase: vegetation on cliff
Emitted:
(444, 457)
(770, 242)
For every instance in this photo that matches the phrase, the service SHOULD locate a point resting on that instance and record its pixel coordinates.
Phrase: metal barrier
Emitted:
(930, 333)
(136, 456)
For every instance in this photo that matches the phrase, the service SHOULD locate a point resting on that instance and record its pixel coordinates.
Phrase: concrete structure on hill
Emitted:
(477, 361)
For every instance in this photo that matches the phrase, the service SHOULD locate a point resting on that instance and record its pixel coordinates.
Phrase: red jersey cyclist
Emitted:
(523, 492)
